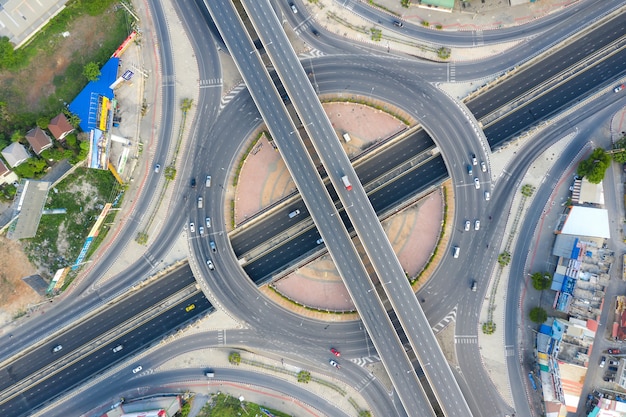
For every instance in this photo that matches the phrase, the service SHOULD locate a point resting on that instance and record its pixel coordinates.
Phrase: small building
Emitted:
(15, 154)
(6, 175)
(60, 127)
(38, 139)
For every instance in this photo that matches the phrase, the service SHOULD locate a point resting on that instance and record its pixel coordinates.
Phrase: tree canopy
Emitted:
(620, 156)
(541, 280)
(91, 71)
(594, 167)
(538, 315)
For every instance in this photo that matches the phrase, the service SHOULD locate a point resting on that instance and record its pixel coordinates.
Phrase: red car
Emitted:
(614, 351)
(335, 352)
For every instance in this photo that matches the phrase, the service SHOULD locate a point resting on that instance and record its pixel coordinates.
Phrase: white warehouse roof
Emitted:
(587, 221)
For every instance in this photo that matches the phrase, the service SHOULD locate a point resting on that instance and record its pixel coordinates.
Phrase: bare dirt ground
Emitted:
(15, 294)
(86, 34)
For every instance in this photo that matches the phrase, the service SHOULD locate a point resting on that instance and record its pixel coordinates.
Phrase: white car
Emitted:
(487, 195)
(210, 264)
(137, 369)
(618, 88)
(476, 183)
(208, 222)
(293, 8)
(157, 168)
(192, 227)
(117, 348)
(477, 225)
(334, 363)
(201, 230)
(474, 160)
(207, 184)
(483, 166)
(57, 348)
(319, 241)
(467, 225)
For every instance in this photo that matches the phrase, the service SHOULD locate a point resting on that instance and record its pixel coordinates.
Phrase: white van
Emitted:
(457, 250)
(346, 137)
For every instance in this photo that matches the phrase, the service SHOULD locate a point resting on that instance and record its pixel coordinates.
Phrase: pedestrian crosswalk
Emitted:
(211, 82)
(465, 340)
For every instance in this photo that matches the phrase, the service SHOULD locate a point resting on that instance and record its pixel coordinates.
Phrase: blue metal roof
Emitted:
(85, 104)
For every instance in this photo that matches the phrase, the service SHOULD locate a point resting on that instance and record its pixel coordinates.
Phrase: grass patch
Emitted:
(299, 304)
(60, 237)
(224, 405)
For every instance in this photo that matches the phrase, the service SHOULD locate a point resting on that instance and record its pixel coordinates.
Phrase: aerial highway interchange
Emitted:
(453, 127)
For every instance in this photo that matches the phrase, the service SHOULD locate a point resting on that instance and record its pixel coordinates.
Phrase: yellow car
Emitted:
(190, 307)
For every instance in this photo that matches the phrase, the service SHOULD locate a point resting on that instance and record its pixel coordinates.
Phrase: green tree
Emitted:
(504, 259)
(31, 168)
(594, 167)
(17, 136)
(527, 190)
(541, 280)
(443, 52)
(43, 122)
(234, 358)
(91, 71)
(538, 315)
(620, 156)
(304, 377)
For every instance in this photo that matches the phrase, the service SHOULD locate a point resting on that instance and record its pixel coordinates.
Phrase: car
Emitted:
(474, 286)
(476, 183)
(294, 213)
(614, 351)
(200, 202)
(469, 170)
(192, 227)
(208, 222)
(334, 363)
(190, 307)
(193, 183)
(137, 369)
(210, 264)
(315, 33)
(57, 348)
(474, 160)
(319, 241)
(483, 166)
(609, 379)
(117, 348)
(157, 168)
(614, 363)
(335, 352)
(613, 368)
(201, 230)
(487, 196)
(398, 23)
(456, 252)
(602, 361)
(468, 224)
(207, 183)
(209, 373)
(293, 8)
(619, 88)
(477, 225)
(213, 247)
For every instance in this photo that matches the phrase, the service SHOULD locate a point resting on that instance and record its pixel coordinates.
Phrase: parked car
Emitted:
(614, 351)
(613, 368)
(614, 363)
(602, 361)
(335, 352)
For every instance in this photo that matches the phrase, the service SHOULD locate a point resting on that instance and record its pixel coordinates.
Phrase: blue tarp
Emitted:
(85, 104)
(545, 329)
(575, 250)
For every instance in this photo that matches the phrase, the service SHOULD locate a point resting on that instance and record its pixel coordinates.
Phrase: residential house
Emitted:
(38, 140)
(60, 127)
(15, 154)
(6, 175)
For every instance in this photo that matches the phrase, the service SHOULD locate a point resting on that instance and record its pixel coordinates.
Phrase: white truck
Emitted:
(346, 182)
(346, 137)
